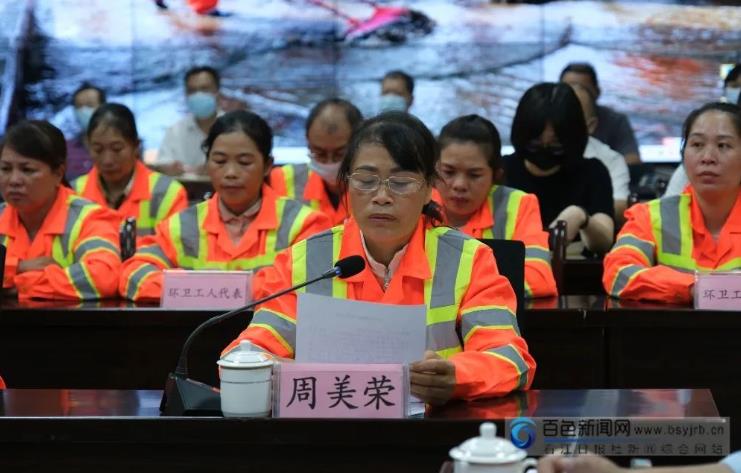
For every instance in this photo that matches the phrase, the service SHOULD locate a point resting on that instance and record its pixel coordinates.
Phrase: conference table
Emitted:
(121, 430)
(579, 342)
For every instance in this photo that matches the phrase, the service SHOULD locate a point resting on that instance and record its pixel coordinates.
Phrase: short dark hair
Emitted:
(398, 74)
(118, 117)
(732, 75)
(39, 140)
(554, 103)
(477, 130)
(733, 111)
(581, 68)
(409, 143)
(352, 113)
(208, 70)
(251, 124)
(88, 86)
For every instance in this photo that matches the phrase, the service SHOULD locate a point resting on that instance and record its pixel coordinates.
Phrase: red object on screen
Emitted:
(202, 6)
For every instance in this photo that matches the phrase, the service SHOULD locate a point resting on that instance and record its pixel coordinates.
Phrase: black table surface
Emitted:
(119, 430)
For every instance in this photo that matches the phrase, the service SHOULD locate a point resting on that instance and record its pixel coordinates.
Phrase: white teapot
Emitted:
(490, 454)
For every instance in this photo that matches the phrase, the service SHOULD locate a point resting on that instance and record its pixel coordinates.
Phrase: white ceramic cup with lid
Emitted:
(246, 382)
(490, 454)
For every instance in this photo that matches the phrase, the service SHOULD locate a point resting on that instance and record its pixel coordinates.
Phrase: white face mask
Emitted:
(392, 102)
(731, 94)
(328, 172)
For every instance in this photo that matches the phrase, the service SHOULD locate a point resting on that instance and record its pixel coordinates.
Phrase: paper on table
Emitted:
(332, 330)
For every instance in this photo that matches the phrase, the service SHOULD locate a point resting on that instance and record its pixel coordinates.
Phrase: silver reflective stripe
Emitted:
(671, 235)
(189, 231)
(539, 253)
(144, 231)
(158, 195)
(81, 282)
(447, 261)
(73, 214)
(319, 259)
(623, 276)
(136, 278)
(499, 201)
(97, 243)
(680, 269)
(286, 329)
(290, 212)
(487, 317)
(155, 251)
(441, 336)
(645, 247)
(300, 178)
(510, 353)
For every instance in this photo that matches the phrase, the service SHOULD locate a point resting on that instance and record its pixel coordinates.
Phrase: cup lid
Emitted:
(245, 357)
(488, 448)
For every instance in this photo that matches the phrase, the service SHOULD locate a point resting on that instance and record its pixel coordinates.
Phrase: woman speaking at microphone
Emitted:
(474, 346)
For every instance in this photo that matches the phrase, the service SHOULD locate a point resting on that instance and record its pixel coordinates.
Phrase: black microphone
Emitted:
(183, 396)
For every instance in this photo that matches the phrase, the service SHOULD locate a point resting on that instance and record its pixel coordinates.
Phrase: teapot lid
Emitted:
(246, 356)
(488, 448)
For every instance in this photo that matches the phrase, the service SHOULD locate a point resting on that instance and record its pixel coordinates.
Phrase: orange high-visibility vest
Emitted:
(470, 307)
(153, 197)
(510, 214)
(297, 181)
(196, 238)
(661, 245)
(81, 236)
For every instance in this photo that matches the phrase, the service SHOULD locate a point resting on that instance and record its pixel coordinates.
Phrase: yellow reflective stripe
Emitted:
(528, 291)
(289, 181)
(510, 354)
(513, 208)
(80, 183)
(670, 220)
(81, 282)
(625, 276)
(448, 352)
(298, 264)
(298, 224)
(74, 234)
(167, 202)
(272, 236)
(57, 253)
(136, 279)
(487, 234)
(93, 244)
(339, 286)
(280, 325)
(144, 220)
(195, 235)
(735, 263)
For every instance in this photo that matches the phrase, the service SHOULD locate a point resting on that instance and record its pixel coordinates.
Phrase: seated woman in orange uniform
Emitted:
(59, 245)
(473, 342)
(119, 180)
(470, 165)
(664, 241)
(242, 227)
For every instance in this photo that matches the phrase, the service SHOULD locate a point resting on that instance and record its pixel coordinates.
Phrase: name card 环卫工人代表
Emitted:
(334, 390)
(718, 291)
(205, 289)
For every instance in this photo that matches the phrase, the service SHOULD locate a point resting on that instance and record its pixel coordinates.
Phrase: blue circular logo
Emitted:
(522, 432)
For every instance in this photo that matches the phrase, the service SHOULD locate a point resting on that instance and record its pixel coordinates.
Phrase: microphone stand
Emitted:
(186, 397)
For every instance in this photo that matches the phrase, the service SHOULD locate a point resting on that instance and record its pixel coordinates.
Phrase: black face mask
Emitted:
(545, 158)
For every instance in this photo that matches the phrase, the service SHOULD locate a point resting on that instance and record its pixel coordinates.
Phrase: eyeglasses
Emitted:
(399, 185)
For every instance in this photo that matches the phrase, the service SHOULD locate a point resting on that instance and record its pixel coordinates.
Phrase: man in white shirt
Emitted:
(180, 150)
(613, 161)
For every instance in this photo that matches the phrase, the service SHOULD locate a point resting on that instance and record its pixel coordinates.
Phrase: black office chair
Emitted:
(510, 256)
(127, 238)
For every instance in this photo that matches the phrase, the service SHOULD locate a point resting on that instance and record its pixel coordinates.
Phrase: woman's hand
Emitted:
(34, 264)
(575, 217)
(432, 379)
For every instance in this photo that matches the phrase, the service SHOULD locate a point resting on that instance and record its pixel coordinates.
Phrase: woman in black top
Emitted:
(549, 135)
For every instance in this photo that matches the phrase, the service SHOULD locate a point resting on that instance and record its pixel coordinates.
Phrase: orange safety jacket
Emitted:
(470, 307)
(297, 181)
(81, 236)
(197, 238)
(153, 197)
(510, 214)
(661, 245)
